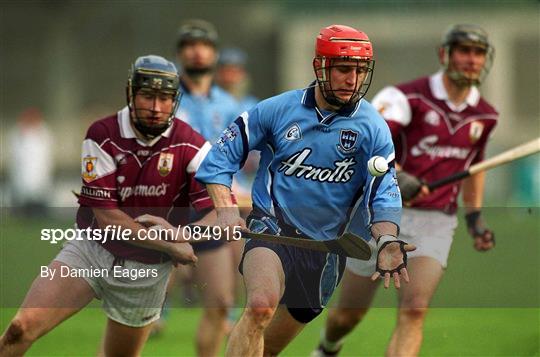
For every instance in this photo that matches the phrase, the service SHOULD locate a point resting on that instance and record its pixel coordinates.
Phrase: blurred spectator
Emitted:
(233, 77)
(30, 163)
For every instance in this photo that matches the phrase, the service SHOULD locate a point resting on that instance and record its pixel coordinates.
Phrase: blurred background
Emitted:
(65, 64)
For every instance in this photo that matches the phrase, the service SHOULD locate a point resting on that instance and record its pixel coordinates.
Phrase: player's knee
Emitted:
(260, 316)
(19, 331)
(261, 307)
(413, 313)
(217, 312)
(346, 318)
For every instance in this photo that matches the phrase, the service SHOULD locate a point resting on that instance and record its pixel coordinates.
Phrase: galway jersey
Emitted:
(120, 171)
(313, 169)
(208, 114)
(435, 138)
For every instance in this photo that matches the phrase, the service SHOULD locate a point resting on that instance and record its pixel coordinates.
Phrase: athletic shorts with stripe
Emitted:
(310, 276)
(130, 299)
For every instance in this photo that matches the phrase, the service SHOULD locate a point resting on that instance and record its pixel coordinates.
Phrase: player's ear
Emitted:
(317, 64)
(442, 55)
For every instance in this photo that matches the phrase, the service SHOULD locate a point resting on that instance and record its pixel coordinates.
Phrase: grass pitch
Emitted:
(487, 304)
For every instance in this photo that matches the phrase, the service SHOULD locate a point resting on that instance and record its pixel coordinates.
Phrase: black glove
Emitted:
(484, 238)
(409, 185)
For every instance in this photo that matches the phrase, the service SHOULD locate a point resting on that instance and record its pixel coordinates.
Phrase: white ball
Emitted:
(377, 166)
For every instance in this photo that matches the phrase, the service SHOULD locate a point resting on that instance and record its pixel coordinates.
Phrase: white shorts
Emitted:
(133, 293)
(432, 233)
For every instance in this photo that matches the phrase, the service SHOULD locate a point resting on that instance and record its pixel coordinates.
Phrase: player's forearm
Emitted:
(220, 195)
(473, 192)
(118, 218)
(379, 229)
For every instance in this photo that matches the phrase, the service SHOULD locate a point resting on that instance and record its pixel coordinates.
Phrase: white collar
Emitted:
(127, 132)
(437, 89)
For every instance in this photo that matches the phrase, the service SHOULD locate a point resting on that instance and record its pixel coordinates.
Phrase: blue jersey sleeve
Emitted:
(230, 151)
(382, 199)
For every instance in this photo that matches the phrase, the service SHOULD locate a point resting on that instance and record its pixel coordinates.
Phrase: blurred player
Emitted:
(138, 160)
(312, 183)
(440, 124)
(30, 163)
(208, 109)
(232, 76)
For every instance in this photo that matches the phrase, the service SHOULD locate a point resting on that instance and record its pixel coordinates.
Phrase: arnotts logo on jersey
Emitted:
(293, 133)
(475, 132)
(427, 146)
(347, 140)
(294, 166)
(143, 191)
(89, 168)
(165, 163)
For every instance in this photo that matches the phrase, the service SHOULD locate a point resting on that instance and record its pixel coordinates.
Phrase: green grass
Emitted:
(487, 305)
(448, 332)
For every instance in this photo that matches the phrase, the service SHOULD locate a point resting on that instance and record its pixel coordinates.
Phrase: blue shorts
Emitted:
(310, 276)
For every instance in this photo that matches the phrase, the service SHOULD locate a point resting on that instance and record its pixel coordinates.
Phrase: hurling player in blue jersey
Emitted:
(208, 109)
(312, 183)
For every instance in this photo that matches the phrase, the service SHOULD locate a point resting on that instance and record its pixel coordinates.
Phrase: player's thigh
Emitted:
(235, 249)
(123, 340)
(425, 274)
(282, 329)
(51, 301)
(357, 291)
(214, 276)
(264, 276)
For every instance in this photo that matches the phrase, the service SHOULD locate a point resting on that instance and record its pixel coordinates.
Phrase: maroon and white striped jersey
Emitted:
(121, 171)
(433, 137)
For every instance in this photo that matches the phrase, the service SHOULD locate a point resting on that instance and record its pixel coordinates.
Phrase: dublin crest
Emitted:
(347, 140)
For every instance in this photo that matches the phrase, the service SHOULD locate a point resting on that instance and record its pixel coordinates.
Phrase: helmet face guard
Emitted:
(342, 43)
(466, 35)
(323, 71)
(157, 76)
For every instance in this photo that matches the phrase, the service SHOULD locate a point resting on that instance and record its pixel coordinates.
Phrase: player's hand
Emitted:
(229, 218)
(484, 239)
(148, 220)
(155, 222)
(411, 187)
(181, 254)
(392, 261)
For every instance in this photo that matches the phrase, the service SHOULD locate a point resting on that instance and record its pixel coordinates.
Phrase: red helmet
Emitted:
(339, 42)
(343, 41)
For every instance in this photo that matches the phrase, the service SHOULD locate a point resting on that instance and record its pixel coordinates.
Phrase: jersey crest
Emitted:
(293, 133)
(165, 163)
(347, 140)
(89, 172)
(475, 132)
(432, 118)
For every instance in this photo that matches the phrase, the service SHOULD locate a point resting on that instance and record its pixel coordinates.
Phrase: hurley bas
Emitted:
(116, 271)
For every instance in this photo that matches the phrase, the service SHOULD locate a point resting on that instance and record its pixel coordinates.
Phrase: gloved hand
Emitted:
(409, 185)
(484, 239)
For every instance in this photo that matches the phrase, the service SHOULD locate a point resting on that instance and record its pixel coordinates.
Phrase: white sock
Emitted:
(329, 345)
